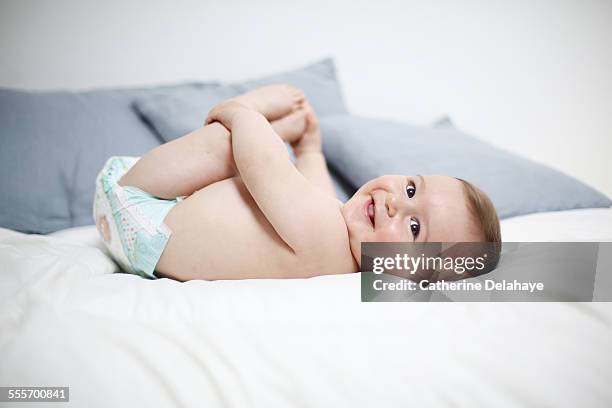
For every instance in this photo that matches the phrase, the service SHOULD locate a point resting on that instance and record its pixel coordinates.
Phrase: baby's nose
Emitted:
(391, 204)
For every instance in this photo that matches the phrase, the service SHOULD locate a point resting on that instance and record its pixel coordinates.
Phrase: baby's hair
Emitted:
(484, 214)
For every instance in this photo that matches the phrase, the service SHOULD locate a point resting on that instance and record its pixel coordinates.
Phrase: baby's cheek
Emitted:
(391, 233)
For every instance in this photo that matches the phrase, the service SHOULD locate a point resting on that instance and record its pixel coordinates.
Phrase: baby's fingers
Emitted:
(224, 113)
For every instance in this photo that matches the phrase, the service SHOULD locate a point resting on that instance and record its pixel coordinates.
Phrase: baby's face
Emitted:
(409, 209)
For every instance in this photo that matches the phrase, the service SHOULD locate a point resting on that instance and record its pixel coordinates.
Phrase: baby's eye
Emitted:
(415, 227)
(410, 190)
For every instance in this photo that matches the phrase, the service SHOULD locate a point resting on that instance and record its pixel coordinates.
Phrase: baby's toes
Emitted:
(299, 96)
(295, 94)
(313, 121)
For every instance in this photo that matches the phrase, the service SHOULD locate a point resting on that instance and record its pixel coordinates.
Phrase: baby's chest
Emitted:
(236, 237)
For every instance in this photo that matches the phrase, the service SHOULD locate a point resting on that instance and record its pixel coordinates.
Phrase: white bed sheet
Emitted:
(118, 340)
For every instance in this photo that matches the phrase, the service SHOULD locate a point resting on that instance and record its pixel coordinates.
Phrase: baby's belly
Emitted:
(220, 233)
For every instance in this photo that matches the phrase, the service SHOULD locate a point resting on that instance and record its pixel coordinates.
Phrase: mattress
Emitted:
(592, 224)
(119, 340)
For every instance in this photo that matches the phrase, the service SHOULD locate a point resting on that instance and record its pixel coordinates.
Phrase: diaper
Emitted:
(130, 220)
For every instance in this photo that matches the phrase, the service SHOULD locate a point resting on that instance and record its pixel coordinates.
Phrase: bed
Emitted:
(68, 319)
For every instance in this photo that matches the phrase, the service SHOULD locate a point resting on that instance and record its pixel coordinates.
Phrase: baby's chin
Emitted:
(357, 198)
(357, 234)
(352, 199)
(355, 245)
(351, 211)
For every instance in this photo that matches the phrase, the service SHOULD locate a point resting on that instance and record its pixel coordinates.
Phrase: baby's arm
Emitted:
(290, 202)
(277, 101)
(313, 166)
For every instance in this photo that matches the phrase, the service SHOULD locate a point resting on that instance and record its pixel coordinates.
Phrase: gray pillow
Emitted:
(177, 112)
(52, 144)
(362, 149)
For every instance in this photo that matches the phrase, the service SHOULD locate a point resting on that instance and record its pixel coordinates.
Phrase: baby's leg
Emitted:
(273, 101)
(202, 157)
(184, 165)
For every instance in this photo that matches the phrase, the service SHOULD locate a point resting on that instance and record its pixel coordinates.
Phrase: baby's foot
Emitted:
(292, 126)
(273, 101)
(311, 137)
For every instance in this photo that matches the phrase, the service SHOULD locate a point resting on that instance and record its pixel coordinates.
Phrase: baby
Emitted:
(226, 201)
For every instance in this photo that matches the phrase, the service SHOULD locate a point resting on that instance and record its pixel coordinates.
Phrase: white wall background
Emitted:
(534, 77)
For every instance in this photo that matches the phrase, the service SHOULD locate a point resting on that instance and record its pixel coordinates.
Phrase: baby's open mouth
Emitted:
(370, 211)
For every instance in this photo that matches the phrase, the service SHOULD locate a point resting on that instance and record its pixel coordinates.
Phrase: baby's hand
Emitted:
(311, 139)
(224, 113)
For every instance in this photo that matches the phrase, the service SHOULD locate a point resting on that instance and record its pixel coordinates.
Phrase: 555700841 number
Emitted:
(48, 394)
